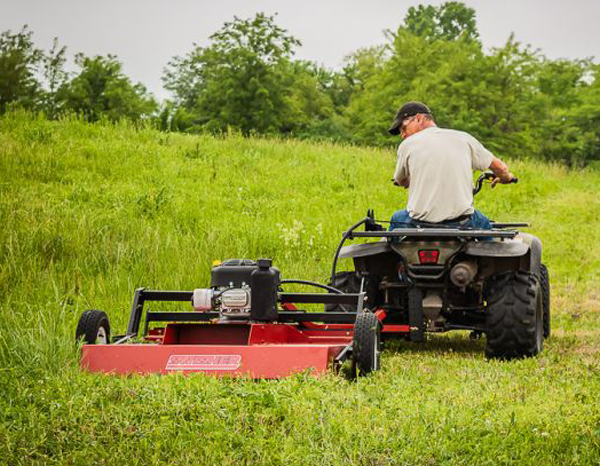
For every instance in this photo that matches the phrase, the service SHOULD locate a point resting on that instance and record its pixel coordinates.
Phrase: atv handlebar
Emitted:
(488, 176)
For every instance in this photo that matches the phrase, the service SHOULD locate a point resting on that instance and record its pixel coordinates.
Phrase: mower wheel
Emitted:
(367, 343)
(93, 327)
(545, 284)
(514, 317)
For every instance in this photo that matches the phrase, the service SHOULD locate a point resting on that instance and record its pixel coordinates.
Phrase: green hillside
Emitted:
(90, 212)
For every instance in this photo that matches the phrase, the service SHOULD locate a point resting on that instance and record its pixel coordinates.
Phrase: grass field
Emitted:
(89, 212)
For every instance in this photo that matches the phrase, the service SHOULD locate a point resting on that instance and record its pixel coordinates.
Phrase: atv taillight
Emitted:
(429, 256)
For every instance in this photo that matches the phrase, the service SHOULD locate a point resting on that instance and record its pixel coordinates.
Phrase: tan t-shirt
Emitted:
(439, 163)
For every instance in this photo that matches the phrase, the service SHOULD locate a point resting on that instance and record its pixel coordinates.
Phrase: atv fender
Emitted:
(535, 246)
(364, 250)
(524, 244)
(507, 248)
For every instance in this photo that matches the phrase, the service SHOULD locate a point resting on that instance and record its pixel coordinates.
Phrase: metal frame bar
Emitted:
(137, 310)
(434, 232)
(283, 317)
(142, 296)
(510, 224)
(344, 355)
(159, 295)
(322, 298)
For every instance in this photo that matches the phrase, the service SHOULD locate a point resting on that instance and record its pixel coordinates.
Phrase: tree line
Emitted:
(517, 101)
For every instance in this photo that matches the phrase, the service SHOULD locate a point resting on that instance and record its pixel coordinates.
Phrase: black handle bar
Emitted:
(488, 176)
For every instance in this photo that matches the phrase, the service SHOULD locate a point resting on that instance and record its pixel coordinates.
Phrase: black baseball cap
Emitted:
(407, 110)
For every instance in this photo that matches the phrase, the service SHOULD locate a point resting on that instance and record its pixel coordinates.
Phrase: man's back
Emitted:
(439, 163)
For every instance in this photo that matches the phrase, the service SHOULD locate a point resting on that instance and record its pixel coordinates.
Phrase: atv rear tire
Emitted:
(514, 320)
(93, 327)
(545, 285)
(347, 282)
(366, 343)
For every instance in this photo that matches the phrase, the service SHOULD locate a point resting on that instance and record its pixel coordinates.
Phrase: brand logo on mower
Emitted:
(204, 362)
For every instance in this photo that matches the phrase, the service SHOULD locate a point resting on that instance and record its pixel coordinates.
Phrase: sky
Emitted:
(146, 34)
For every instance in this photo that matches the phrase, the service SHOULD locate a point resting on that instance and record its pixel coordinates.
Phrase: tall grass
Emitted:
(90, 212)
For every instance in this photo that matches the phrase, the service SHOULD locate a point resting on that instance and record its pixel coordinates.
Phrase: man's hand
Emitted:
(404, 182)
(503, 179)
(501, 171)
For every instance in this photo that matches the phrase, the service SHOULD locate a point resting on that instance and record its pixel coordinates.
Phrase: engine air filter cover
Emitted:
(234, 273)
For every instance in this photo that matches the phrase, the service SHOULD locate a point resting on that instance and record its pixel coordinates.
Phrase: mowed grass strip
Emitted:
(90, 212)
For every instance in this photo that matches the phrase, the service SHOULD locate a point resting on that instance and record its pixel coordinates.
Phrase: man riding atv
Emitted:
(436, 165)
(443, 266)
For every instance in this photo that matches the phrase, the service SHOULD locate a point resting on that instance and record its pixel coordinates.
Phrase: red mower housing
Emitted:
(227, 342)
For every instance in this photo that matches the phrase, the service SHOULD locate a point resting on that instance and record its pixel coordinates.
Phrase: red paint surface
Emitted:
(395, 329)
(258, 361)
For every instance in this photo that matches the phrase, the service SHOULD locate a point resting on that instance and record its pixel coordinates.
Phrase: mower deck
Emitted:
(223, 346)
(225, 349)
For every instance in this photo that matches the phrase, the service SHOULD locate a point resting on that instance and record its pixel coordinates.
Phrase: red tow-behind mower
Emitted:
(243, 325)
(417, 279)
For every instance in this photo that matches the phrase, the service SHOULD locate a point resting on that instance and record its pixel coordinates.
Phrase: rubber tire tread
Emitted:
(545, 284)
(511, 315)
(348, 282)
(89, 324)
(367, 335)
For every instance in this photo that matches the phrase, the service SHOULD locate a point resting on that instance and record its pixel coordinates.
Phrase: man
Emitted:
(436, 165)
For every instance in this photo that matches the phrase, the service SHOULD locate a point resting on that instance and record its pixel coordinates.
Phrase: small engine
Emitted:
(230, 292)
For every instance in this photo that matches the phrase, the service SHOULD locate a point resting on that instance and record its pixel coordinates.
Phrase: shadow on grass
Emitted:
(438, 344)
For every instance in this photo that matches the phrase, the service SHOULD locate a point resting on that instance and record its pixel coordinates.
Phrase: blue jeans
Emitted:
(401, 219)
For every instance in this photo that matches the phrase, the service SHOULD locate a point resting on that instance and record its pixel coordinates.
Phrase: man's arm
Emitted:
(500, 169)
(401, 175)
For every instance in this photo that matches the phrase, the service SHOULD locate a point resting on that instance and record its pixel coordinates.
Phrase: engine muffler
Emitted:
(463, 273)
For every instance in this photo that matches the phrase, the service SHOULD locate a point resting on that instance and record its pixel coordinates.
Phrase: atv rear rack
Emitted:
(433, 233)
(375, 230)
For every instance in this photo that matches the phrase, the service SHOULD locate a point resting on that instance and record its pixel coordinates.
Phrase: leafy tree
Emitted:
(588, 117)
(311, 110)
(571, 129)
(350, 81)
(449, 21)
(101, 89)
(19, 63)
(174, 118)
(504, 103)
(184, 77)
(55, 77)
(245, 79)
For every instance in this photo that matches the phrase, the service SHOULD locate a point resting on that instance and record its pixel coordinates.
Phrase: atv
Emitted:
(437, 278)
